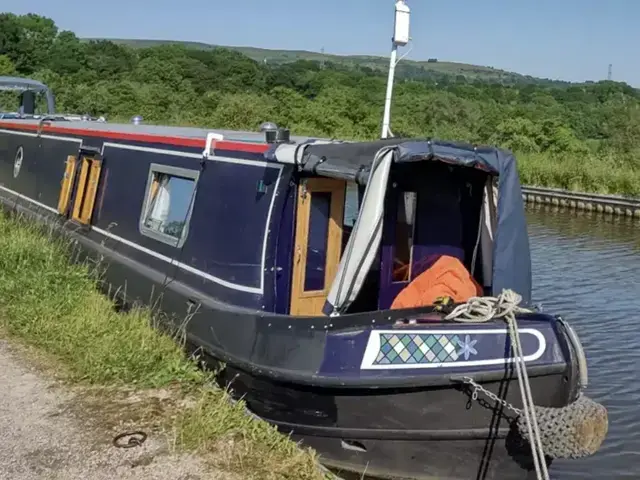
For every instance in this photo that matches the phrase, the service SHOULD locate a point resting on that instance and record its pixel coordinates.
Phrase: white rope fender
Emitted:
(507, 305)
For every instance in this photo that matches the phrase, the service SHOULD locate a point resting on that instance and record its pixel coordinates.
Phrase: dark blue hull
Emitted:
(411, 426)
(341, 384)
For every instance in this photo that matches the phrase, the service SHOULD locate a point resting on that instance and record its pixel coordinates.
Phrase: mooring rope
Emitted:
(507, 305)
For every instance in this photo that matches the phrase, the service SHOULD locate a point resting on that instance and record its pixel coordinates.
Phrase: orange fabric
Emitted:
(447, 277)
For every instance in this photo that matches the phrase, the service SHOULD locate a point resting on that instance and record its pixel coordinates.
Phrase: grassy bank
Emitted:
(606, 174)
(55, 306)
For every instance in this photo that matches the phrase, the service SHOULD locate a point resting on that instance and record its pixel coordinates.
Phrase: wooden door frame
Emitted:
(310, 302)
(79, 186)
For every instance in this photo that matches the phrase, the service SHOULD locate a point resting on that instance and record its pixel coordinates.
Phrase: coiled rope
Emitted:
(507, 305)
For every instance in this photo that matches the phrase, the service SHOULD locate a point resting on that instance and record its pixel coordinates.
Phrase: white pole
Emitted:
(386, 119)
(400, 38)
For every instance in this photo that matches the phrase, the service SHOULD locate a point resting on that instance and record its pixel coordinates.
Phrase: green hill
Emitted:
(408, 69)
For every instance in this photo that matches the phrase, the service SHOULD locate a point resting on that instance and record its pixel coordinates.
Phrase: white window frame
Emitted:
(176, 172)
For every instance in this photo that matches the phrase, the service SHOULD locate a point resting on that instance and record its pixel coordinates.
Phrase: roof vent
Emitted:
(274, 134)
(268, 126)
(277, 136)
(284, 136)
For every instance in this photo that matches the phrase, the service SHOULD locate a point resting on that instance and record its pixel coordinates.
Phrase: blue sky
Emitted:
(565, 39)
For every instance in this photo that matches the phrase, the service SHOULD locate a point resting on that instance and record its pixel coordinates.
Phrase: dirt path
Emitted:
(41, 439)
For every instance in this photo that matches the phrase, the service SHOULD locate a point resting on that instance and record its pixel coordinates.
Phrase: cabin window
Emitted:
(169, 199)
(404, 234)
(351, 205)
(317, 241)
(351, 210)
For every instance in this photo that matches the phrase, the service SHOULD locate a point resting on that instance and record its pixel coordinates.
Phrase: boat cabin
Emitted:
(371, 217)
(264, 222)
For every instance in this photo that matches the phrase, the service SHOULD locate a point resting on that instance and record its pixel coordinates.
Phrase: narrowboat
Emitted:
(286, 254)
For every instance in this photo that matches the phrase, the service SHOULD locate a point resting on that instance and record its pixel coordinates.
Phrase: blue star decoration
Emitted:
(466, 347)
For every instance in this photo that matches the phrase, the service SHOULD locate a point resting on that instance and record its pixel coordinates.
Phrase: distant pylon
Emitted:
(322, 61)
(609, 76)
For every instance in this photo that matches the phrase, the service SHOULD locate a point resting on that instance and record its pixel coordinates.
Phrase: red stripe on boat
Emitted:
(142, 137)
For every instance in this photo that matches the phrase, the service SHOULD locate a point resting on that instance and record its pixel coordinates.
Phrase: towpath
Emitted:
(41, 439)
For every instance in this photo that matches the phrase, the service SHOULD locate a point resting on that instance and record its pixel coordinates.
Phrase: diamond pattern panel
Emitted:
(412, 348)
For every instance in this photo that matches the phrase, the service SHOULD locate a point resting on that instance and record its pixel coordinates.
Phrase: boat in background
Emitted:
(32, 95)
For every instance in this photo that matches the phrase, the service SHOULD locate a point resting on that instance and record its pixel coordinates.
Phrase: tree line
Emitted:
(220, 88)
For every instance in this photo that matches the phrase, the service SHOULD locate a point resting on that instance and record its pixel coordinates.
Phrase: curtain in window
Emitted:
(160, 205)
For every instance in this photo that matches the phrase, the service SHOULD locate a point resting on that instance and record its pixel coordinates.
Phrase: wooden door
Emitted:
(82, 190)
(66, 185)
(318, 243)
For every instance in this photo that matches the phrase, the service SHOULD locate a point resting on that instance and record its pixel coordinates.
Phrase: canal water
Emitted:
(586, 267)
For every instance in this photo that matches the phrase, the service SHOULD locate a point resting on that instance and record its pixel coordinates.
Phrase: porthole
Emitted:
(17, 164)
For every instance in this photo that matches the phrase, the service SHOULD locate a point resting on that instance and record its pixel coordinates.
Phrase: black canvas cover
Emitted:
(512, 258)
(350, 161)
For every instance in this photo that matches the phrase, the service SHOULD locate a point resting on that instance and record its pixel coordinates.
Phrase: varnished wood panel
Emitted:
(311, 302)
(87, 190)
(66, 185)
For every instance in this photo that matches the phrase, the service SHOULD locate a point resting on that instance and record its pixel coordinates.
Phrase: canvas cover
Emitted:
(365, 238)
(511, 262)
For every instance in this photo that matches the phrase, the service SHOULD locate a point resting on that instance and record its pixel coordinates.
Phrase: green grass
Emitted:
(54, 305)
(604, 174)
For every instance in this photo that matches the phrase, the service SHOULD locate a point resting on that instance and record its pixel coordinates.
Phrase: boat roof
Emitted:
(193, 133)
